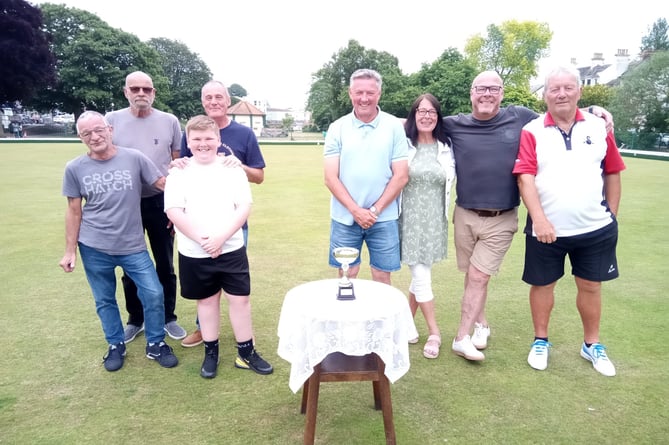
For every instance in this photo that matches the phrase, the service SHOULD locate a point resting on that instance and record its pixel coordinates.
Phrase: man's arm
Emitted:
(160, 184)
(601, 112)
(255, 175)
(395, 185)
(613, 191)
(363, 217)
(540, 224)
(72, 225)
(334, 184)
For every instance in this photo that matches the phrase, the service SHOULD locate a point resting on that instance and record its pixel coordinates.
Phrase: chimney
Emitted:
(622, 61)
(598, 59)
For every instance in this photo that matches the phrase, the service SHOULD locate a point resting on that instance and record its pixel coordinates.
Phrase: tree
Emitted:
(92, 60)
(287, 125)
(186, 73)
(328, 96)
(522, 96)
(513, 50)
(236, 90)
(26, 62)
(657, 38)
(641, 103)
(448, 78)
(596, 95)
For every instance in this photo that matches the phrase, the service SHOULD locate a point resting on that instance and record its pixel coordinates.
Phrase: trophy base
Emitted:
(346, 293)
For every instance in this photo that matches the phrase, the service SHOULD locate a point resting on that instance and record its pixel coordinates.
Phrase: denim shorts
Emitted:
(382, 240)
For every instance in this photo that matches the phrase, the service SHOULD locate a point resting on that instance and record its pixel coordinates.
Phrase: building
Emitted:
(598, 72)
(601, 73)
(248, 115)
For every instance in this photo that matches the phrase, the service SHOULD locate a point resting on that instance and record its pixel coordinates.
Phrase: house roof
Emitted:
(592, 72)
(242, 108)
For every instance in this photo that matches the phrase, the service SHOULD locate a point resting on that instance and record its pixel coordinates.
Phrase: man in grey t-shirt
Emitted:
(108, 232)
(158, 135)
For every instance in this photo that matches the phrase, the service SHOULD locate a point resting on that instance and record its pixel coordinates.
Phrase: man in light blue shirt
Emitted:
(366, 168)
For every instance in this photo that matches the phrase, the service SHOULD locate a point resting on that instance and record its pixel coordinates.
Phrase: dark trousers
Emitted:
(161, 240)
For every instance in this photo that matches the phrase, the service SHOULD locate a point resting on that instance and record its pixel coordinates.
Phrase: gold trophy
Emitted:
(345, 256)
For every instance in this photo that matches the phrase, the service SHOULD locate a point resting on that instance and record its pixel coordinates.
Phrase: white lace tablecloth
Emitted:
(313, 324)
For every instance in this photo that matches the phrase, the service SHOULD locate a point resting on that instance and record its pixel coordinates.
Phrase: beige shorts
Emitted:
(483, 241)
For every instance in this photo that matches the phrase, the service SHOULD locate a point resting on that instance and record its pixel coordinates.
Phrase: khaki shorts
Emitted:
(483, 241)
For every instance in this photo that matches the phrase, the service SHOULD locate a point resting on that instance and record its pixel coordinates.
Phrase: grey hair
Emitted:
(90, 113)
(216, 82)
(366, 73)
(569, 70)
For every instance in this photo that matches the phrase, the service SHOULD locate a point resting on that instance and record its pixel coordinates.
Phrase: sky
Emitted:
(271, 48)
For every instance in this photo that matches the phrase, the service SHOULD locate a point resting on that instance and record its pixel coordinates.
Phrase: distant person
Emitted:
(424, 216)
(158, 136)
(568, 172)
(485, 145)
(108, 232)
(209, 203)
(365, 170)
(17, 129)
(237, 141)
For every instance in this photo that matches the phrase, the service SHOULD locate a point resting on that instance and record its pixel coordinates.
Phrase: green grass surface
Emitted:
(54, 390)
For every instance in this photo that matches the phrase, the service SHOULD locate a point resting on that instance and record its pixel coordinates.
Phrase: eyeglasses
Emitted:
(422, 112)
(87, 134)
(481, 89)
(146, 90)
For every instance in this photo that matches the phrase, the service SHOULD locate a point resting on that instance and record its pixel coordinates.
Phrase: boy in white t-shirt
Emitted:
(208, 203)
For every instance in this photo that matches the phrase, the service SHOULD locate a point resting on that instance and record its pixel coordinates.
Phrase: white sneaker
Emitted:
(480, 337)
(596, 353)
(538, 357)
(466, 349)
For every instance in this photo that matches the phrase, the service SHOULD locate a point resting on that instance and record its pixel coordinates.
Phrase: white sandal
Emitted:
(432, 345)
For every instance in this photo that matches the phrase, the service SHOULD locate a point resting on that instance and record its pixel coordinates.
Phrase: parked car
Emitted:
(64, 118)
(663, 141)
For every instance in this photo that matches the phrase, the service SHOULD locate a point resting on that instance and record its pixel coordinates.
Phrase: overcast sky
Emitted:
(271, 47)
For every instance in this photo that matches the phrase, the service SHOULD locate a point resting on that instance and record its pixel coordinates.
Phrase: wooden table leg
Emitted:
(312, 387)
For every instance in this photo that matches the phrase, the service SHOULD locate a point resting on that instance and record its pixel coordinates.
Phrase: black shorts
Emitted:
(592, 256)
(203, 277)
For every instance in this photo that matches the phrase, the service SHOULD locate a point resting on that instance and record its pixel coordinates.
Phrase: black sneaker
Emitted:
(254, 362)
(114, 358)
(209, 366)
(162, 353)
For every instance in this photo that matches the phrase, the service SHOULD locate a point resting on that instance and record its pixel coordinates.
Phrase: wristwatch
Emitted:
(374, 211)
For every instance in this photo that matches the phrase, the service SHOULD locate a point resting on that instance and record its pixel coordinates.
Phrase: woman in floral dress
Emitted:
(424, 212)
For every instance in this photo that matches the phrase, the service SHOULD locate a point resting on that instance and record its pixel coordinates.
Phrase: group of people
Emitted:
(390, 187)
(390, 181)
(136, 178)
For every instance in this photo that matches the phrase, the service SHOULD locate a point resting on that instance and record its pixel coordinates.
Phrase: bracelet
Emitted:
(590, 110)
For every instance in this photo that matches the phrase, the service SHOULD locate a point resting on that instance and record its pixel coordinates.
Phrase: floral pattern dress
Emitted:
(423, 221)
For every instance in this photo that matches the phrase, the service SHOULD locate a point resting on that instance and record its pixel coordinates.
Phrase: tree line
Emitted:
(55, 57)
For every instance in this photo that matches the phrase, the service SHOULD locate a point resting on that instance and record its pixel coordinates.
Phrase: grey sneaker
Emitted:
(175, 331)
(131, 331)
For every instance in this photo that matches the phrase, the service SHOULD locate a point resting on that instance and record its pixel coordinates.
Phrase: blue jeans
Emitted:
(161, 240)
(100, 273)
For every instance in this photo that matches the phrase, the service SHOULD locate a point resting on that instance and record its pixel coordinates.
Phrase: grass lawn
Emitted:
(54, 389)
